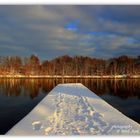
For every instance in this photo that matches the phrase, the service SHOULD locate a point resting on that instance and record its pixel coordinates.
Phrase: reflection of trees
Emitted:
(10, 87)
(47, 85)
(32, 87)
(122, 88)
(16, 87)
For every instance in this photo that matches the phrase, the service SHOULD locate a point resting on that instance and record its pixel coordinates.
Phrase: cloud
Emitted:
(51, 31)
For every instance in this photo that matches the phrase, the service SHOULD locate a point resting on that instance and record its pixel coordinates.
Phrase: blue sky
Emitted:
(49, 31)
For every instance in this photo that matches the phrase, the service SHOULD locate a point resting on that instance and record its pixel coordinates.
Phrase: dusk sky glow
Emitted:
(50, 31)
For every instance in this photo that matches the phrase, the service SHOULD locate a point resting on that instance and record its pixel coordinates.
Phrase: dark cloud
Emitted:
(50, 31)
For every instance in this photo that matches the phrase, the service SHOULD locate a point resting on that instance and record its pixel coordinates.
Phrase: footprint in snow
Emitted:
(37, 125)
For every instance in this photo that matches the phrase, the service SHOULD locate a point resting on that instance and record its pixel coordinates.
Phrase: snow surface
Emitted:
(72, 109)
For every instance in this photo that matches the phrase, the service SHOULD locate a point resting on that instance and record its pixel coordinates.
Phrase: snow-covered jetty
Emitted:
(72, 109)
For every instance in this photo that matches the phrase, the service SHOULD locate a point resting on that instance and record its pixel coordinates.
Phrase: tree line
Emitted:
(71, 66)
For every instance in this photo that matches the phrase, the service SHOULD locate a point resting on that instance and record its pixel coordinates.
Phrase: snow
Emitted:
(68, 76)
(72, 109)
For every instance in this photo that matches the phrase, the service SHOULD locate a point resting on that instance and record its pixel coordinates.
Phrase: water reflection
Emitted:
(32, 87)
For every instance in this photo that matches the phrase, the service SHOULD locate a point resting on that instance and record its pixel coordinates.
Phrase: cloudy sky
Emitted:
(51, 31)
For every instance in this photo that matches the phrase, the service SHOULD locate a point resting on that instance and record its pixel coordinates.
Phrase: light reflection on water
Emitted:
(19, 96)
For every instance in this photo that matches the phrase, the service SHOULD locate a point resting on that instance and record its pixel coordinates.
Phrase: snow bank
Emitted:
(72, 109)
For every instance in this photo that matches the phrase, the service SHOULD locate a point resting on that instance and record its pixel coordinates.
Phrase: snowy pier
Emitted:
(72, 109)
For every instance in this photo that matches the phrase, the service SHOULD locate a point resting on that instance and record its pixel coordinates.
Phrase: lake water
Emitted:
(19, 96)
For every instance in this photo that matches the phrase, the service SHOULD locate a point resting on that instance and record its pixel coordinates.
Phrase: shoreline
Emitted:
(71, 77)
